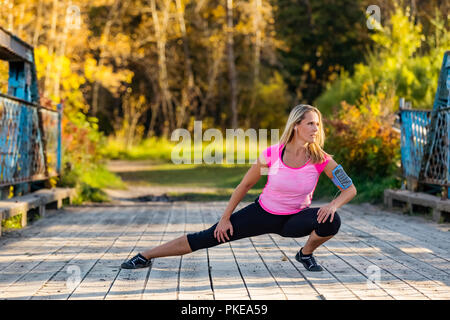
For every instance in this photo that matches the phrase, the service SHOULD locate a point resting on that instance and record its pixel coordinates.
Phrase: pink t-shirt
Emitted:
(288, 190)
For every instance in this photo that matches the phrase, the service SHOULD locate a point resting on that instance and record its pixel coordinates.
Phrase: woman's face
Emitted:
(308, 129)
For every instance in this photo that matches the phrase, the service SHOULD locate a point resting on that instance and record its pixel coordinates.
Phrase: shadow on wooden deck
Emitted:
(75, 253)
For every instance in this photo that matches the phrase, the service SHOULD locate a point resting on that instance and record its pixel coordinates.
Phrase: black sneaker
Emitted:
(137, 262)
(308, 262)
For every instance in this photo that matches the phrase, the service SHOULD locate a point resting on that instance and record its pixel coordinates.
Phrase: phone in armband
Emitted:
(340, 178)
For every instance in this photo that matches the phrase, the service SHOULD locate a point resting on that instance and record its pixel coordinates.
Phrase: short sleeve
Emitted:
(321, 166)
(270, 154)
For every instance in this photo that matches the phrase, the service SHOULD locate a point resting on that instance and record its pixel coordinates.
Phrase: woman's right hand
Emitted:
(221, 230)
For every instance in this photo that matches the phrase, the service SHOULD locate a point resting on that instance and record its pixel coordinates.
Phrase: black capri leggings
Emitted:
(253, 220)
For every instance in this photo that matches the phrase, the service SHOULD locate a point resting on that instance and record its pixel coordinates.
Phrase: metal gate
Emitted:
(30, 134)
(425, 138)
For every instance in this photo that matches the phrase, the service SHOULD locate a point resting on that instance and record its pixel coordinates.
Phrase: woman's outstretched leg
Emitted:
(175, 247)
(247, 222)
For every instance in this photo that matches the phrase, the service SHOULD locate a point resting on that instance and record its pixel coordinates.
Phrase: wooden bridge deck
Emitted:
(75, 253)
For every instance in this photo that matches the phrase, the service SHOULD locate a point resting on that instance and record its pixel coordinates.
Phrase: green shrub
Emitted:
(13, 222)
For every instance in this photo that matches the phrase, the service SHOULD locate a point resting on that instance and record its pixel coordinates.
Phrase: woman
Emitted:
(294, 166)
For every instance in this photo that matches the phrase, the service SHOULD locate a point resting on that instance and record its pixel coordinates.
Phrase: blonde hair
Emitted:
(295, 117)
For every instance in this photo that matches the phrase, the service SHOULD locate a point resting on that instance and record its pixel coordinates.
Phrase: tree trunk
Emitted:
(21, 14)
(59, 58)
(256, 58)
(160, 34)
(188, 93)
(51, 47)
(112, 16)
(212, 77)
(38, 27)
(231, 64)
(10, 5)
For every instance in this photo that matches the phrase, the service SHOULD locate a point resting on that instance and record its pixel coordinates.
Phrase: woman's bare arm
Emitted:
(250, 179)
(345, 196)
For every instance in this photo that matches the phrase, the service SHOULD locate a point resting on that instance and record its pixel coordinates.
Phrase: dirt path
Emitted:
(138, 191)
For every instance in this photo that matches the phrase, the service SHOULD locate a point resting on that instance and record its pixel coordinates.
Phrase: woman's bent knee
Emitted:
(202, 239)
(327, 228)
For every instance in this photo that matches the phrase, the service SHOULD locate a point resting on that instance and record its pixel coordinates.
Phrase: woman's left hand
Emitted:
(326, 211)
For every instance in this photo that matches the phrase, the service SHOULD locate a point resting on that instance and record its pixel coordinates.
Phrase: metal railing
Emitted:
(30, 134)
(425, 138)
(29, 142)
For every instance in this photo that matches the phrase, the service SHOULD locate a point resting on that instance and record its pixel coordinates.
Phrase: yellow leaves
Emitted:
(4, 67)
(218, 13)
(362, 134)
(89, 69)
(42, 59)
(306, 67)
(244, 27)
(105, 74)
(408, 75)
(402, 38)
(120, 45)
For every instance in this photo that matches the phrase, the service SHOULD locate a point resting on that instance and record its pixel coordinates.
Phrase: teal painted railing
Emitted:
(30, 134)
(425, 137)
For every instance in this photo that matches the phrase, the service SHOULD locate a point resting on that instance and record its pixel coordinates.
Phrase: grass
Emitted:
(185, 175)
(221, 195)
(222, 179)
(90, 181)
(160, 149)
(153, 148)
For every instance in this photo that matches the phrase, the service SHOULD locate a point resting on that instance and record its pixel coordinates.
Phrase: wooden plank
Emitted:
(325, 285)
(129, 284)
(418, 222)
(427, 279)
(348, 269)
(227, 281)
(409, 269)
(346, 247)
(25, 254)
(349, 276)
(259, 281)
(419, 198)
(13, 48)
(162, 282)
(398, 273)
(367, 258)
(62, 283)
(26, 241)
(288, 277)
(101, 267)
(22, 204)
(29, 272)
(44, 227)
(409, 283)
(323, 282)
(416, 254)
(194, 272)
(414, 230)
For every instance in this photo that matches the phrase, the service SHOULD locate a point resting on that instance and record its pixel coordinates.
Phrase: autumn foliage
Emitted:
(363, 138)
